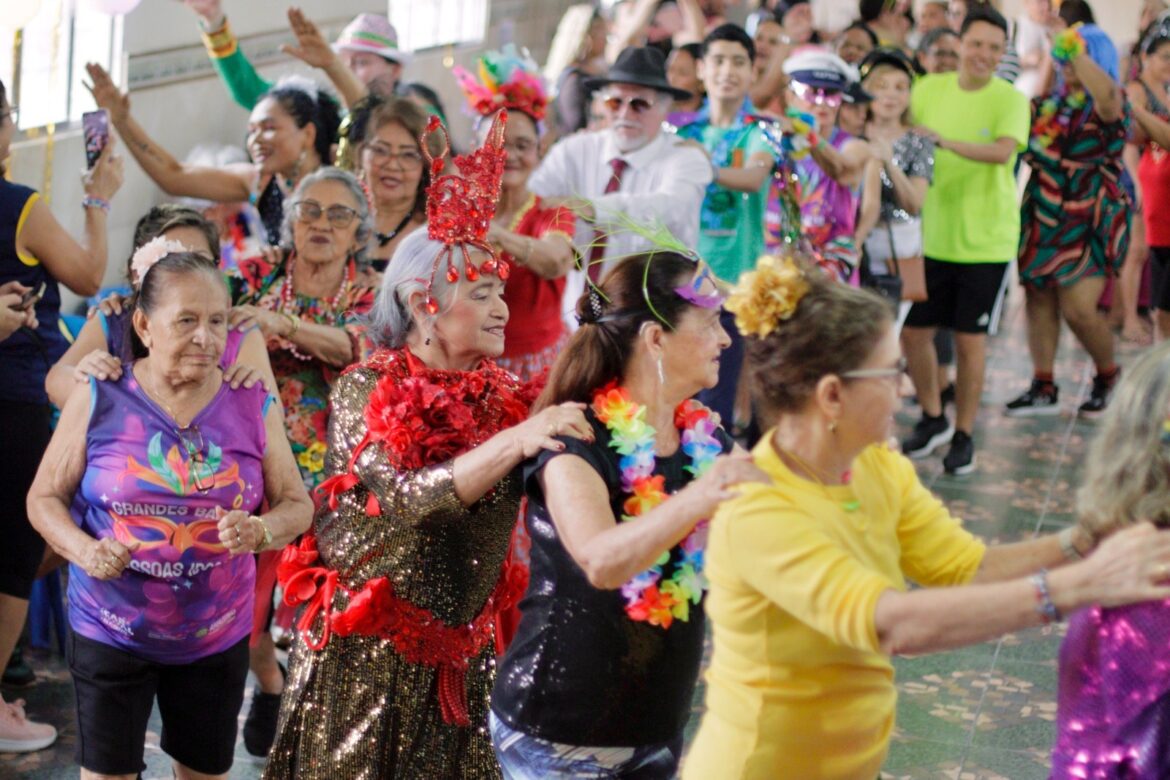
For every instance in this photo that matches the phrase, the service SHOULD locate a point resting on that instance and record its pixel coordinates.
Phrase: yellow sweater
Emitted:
(797, 687)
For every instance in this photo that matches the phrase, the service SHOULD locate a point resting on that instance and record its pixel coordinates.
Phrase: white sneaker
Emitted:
(20, 735)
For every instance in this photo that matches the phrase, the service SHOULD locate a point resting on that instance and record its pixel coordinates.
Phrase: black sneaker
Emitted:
(1040, 400)
(1098, 396)
(928, 435)
(260, 725)
(960, 458)
(18, 674)
(947, 396)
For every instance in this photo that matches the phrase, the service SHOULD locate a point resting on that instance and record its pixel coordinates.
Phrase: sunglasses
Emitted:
(638, 105)
(339, 216)
(830, 98)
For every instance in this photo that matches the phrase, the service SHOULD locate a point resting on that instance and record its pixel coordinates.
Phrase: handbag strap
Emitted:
(893, 249)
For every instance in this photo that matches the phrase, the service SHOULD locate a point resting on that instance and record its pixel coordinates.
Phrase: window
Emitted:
(426, 24)
(55, 45)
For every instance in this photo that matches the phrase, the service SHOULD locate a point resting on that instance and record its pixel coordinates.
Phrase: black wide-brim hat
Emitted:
(642, 67)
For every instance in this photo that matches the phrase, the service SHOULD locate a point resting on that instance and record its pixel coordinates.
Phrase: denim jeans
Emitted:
(523, 757)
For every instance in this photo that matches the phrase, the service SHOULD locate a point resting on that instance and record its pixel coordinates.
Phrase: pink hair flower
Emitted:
(151, 252)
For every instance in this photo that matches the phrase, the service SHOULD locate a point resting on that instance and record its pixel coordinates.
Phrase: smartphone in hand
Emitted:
(96, 127)
(30, 298)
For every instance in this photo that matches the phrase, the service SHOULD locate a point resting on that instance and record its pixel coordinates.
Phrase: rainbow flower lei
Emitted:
(1056, 115)
(649, 596)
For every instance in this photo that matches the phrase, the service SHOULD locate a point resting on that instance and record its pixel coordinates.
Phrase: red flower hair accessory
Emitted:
(460, 207)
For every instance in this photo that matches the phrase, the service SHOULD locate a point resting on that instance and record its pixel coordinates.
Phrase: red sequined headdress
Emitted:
(460, 207)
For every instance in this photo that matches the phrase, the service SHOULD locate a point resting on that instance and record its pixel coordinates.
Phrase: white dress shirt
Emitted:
(664, 184)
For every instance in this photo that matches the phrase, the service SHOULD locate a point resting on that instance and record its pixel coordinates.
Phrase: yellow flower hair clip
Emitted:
(767, 295)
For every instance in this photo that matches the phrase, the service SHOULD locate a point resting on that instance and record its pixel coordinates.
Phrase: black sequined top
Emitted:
(579, 671)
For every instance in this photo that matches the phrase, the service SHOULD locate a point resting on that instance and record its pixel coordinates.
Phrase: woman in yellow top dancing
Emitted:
(808, 574)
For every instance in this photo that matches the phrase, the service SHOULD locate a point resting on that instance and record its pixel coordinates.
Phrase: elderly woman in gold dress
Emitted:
(400, 583)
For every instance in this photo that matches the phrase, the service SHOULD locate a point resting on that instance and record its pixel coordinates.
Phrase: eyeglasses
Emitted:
(309, 211)
(896, 370)
(13, 112)
(192, 440)
(830, 98)
(409, 159)
(638, 105)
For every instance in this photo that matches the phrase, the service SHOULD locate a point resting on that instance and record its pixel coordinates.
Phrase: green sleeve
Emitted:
(243, 82)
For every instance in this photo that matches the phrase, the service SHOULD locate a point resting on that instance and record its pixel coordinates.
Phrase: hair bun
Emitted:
(765, 296)
(590, 307)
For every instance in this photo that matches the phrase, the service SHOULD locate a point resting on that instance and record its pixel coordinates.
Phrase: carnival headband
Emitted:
(460, 207)
(147, 255)
(764, 297)
(506, 79)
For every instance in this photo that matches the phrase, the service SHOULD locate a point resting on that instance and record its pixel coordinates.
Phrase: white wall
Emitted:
(181, 115)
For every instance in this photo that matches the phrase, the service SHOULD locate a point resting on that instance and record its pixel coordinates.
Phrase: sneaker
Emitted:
(960, 458)
(1040, 400)
(947, 396)
(20, 735)
(928, 435)
(260, 725)
(18, 674)
(1098, 396)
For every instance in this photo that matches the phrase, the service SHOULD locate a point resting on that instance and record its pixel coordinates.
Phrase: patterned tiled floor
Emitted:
(982, 712)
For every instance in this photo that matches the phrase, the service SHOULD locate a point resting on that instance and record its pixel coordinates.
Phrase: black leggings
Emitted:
(1160, 277)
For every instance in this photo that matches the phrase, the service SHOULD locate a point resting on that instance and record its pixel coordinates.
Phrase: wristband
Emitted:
(94, 202)
(221, 43)
(1048, 611)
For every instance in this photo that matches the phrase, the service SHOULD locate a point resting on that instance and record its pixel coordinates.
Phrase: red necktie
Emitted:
(599, 240)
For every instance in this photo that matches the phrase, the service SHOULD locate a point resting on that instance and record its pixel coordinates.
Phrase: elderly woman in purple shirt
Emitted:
(151, 488)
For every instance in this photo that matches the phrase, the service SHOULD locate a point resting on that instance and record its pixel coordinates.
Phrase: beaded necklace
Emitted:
(1056, 117)
(850, 505)
(288, 304)
(649, 596)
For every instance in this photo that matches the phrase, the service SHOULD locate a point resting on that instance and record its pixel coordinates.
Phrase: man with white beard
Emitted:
(630, 171)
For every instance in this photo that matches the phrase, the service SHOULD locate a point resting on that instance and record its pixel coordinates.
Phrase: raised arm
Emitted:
(1105, 92)
(223, 49)
(629, 27)
(80, 267)
(313, 49)
(227, 185)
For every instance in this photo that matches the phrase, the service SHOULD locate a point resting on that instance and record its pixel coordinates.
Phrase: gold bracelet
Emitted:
(293, 322)
(267, 540)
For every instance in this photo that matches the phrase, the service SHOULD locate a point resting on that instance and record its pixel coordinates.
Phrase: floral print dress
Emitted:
(304, 381)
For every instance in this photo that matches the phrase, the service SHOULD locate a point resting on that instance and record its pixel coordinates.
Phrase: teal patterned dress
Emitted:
(1075, 214)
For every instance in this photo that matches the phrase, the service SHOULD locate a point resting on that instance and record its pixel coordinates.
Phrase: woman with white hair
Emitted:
(403, 576)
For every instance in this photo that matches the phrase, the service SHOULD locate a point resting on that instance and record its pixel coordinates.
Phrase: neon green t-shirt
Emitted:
(731, 224)
(972, 210)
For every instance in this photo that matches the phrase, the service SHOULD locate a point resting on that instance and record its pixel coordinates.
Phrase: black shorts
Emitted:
(960, 296)
(199, 703)
(25, 432)
(1160, 278)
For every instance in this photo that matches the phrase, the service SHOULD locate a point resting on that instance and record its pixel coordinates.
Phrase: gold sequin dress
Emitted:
(357, 709)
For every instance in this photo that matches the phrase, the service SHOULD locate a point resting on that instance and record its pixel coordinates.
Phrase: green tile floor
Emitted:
(980, 712)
